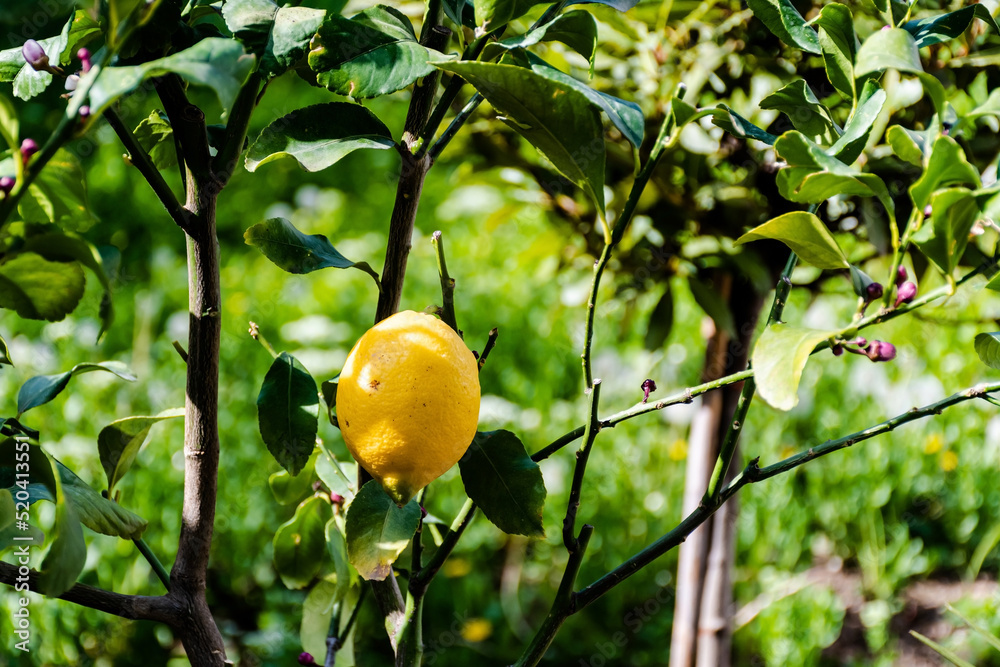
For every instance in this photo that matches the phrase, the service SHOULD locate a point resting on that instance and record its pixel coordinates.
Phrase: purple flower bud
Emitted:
(28, 148)
(837, 350)
(306, 659)
(881, 351)
(927, 211)
(861, 341)
(648, 387)
(905, 293)
(84, 111)
(336, 498)
(873, 291)
(34, 55)
(6, 185)
(84, 56)
(901, 275)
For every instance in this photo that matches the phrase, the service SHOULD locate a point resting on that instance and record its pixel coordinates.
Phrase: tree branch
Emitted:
(447, 284)
(688, 394)
(133, 607)
(728, 447)
(753, 473)
(573, 505)
(140, 158)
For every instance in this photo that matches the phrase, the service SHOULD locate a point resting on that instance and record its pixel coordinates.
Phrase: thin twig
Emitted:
(133, 607)
(728, 447)
(447, 284)
(573, 505)
(420, 580)
(491, 341)
(153, 561)
(141, 160)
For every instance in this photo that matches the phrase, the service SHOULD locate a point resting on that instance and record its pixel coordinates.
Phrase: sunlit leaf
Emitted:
(806, 235)
(551, 115)
(779, 357)
(988, 348)
(839, 45)
(119, 442)
(378, 531)
(784, 20)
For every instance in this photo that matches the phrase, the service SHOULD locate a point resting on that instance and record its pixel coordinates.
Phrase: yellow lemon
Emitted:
(408, 401)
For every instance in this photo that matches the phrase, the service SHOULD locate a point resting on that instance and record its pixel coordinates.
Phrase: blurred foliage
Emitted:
(912, 505)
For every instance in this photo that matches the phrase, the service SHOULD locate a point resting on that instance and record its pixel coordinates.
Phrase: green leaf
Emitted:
(59, 247)
(83, 29)
(290, 489)
(4, 353)
(904, 145)
(624, 115)
(491, 14)
(374, 53)
(219, 64)
(9, 529)
(300, 543)
(280, 35)
(378, 531)
(119, 442)
(797, 101)
(67, 553)
(661, 321)
(38, 289)
(250, 20)
(896, 49)
(860, 282)
(738, 126)
(58, 195)
(941, 28)
(319, 136)
(779, 358)
(993, 284)
(806, 235)
(576, 29)
(553, 116)
(329, 391)
(156, 137)
(293, 30)
(945, 236)
(295, 252)
(504, 482)
(41, 389)
(946, 166)
(859, 126)
(783, 19)
(839, 45)
(317, 610)
(812, 176)
(41, 479)
(336, 545)
(288, 412)
(97, 512)
(326, 470)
